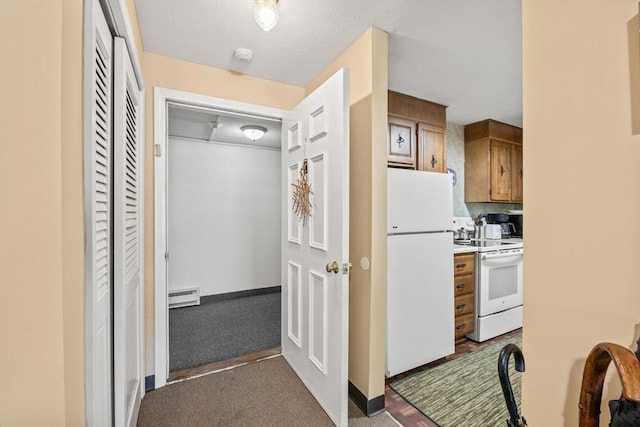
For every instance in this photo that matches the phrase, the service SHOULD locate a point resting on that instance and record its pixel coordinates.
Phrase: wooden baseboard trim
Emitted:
(369, 407)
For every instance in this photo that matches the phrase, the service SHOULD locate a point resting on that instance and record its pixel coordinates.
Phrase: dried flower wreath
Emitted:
(302, 195)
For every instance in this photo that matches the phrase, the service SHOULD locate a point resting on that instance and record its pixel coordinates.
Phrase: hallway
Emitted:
(266, 393)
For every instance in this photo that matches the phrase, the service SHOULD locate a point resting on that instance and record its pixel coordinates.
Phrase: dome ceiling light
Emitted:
(253, 132)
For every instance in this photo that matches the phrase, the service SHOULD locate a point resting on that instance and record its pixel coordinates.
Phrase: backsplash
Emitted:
(455, 161)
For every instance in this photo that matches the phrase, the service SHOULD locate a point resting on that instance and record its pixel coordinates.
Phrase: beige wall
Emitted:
(581, 157)
(366, 60)
(170, 73)
(135, 29)
(41, 255)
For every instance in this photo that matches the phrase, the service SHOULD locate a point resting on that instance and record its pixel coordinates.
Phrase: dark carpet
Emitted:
(465, 391)
(267, 393)
(220, 329)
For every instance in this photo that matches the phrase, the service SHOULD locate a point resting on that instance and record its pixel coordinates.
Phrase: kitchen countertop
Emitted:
(461, 249)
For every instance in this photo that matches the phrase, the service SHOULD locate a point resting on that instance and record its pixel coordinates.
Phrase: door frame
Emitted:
(161, 98)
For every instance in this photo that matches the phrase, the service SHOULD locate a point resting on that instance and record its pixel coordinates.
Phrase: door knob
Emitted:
(333, 267)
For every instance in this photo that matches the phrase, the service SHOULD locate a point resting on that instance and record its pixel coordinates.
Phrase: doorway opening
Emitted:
(222, 237)
(223, 222)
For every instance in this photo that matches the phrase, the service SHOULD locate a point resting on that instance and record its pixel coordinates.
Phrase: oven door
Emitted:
(500, 281)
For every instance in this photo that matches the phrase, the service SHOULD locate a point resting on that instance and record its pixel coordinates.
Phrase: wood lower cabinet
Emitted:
(464, 282)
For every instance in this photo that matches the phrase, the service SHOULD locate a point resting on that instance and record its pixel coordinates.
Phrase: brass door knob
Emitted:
(333, 267)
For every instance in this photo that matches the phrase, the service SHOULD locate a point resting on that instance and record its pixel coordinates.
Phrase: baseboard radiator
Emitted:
(184, 297)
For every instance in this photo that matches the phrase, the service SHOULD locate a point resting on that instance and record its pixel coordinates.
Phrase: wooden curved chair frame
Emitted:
(595, 369)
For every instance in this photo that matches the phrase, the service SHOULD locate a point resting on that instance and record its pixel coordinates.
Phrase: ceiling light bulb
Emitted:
(266, 13)
(253, 132)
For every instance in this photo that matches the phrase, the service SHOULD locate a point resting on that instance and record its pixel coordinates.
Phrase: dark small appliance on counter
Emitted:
(515, 218)
(502, 219)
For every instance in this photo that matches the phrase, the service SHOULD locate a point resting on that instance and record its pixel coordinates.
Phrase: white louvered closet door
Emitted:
(128, 284)
(98, 225)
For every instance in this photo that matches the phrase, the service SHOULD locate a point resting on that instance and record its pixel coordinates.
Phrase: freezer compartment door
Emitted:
(418, 201)
(420, 312)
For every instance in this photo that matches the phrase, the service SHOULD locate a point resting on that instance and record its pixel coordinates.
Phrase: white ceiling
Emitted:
(465, 54)
(196, 123)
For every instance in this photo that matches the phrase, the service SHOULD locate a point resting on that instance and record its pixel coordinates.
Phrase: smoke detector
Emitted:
(243, 55)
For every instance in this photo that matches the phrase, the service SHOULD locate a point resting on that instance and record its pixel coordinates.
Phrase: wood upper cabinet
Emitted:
(401, 143)
(500, 170)
(516, 175)
(493, 162)
(431, 148)
(428, 120)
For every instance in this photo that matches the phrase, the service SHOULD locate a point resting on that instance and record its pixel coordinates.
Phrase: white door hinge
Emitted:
(157, 150)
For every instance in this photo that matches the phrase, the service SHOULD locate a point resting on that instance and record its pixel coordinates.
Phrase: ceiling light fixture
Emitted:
(216, 124)
(243, 54)
(253, 132)
(266, 13)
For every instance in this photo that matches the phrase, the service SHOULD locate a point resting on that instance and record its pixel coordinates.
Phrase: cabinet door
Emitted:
(401, 143)
(516, 173)
(500, 171)
(431, 148)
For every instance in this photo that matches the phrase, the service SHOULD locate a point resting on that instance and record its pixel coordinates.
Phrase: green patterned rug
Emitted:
(465, 391)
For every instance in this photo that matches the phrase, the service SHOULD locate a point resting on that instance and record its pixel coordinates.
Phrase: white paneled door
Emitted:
(315, 138)
(127, 240)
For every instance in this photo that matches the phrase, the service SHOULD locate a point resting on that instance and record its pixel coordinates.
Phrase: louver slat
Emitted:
(102, 176)
(131, 187)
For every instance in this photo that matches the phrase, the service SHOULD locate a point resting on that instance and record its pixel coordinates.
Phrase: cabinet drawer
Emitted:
(463, 285)
(464, 325)
(463, 264)
(464, 304)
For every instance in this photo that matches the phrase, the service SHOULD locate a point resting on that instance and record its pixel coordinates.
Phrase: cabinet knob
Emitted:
(461, 326)
(461, 286)
(460, 306)
(461, 265)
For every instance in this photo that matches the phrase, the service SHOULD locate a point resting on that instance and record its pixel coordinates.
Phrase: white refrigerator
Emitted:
(420, 312)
